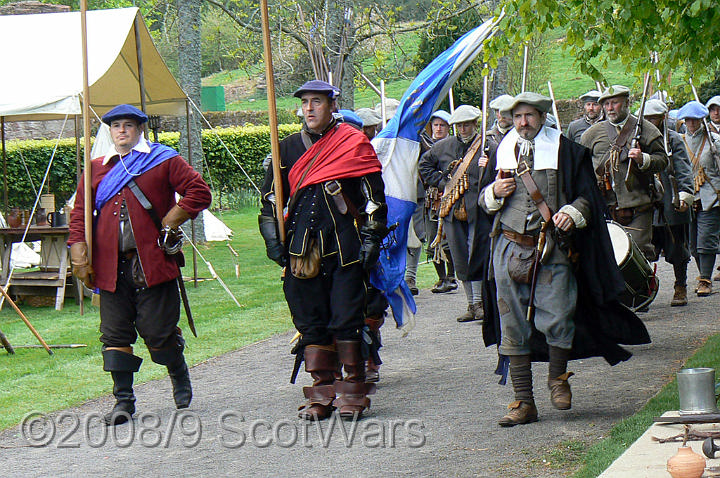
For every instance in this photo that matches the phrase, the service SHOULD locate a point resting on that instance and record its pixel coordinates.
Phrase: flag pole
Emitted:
(272, 113)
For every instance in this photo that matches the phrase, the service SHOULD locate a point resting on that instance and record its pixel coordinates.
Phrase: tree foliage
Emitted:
(684, 33)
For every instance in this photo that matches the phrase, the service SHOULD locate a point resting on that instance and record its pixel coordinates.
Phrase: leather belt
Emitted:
(522, 239)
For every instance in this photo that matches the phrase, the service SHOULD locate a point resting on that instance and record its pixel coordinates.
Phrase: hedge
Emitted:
(250, 145)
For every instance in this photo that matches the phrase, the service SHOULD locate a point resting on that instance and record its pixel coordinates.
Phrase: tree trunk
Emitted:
(190, 67)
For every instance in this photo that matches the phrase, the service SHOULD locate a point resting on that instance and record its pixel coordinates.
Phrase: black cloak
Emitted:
(602, 323)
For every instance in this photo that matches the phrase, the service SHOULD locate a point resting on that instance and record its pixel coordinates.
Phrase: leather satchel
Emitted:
(307, 266)
(520, 263)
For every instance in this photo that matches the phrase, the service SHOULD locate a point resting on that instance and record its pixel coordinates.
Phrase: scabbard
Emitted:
(533, 283)
(186, 303)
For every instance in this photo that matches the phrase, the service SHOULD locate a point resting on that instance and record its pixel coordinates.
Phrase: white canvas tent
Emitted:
(42, 65)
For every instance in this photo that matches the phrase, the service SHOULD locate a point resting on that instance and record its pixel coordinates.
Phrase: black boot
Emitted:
(173, 358)
(121, 366)
(182, 388)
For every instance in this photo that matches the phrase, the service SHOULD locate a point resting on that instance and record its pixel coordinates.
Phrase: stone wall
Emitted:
(30, 7)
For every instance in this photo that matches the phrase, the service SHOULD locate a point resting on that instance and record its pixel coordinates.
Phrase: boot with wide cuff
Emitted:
(352, 392)
(321, 362)
(122, 367)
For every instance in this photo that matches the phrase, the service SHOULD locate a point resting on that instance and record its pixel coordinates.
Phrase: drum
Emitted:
(641, 282)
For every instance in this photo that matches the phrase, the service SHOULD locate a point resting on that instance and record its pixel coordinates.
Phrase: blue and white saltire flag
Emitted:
(398, 147)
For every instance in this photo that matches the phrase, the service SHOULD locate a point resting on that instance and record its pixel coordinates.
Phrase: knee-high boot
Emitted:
(121, 366)
(321, 362)
(352, 391)
(523, 409)
(173, 358)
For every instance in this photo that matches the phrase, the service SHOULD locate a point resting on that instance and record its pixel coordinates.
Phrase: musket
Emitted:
(525, 66)
(713, 148)
(554, 107)
(483, 123)
(637, 133)
(674, 190)
(452, 192)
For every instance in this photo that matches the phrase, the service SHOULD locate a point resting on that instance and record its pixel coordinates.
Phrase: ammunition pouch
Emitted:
(520, 263)
(460, 211)
(307, 266)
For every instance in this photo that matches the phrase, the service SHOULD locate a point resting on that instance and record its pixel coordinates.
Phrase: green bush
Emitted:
(250, 145)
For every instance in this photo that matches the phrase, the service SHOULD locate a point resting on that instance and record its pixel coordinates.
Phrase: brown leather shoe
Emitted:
(468, 316)
(680, 296)
(704, 288)
(520, 412)
(479, 313)
(560, 394)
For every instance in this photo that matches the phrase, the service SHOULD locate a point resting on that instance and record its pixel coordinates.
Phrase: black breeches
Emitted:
(151, 312)
(330, 305)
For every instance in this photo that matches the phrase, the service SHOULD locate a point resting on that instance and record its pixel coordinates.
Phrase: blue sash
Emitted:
(135, 164)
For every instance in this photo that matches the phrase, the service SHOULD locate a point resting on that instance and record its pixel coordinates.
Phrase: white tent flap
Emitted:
(42, 58)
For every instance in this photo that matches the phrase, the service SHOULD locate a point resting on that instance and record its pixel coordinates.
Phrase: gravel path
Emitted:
(435, 413)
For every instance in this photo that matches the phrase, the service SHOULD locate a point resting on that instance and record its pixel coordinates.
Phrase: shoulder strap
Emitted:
(524, 171)
(145, 203)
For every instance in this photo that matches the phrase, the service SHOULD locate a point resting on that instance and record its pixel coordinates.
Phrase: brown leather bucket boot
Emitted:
(352, 391)
(321, 361)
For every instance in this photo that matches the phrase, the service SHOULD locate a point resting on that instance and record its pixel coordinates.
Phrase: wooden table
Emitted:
(54, 271)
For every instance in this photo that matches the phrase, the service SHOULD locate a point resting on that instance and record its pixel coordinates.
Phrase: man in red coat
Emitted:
(136, 278)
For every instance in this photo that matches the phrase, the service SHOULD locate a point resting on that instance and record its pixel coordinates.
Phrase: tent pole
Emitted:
(189, 160)
(141, 73)
(4, 156)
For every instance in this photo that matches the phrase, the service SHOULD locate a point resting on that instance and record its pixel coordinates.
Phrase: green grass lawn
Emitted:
(32, 380)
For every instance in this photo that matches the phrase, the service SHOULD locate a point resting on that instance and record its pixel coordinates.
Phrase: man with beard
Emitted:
(336, 221)
(436, 167)
(545, 190)
(425, 217)
(625, 168)
(705, 229)
(592, 113)
(503, 118)
(671, 223)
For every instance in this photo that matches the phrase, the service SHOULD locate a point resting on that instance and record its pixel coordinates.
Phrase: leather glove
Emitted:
(372, 234)
(175, 217)
(273, 247)
(81, 267)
